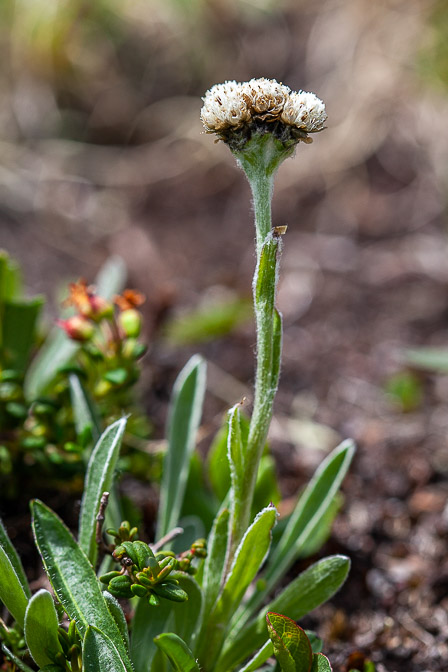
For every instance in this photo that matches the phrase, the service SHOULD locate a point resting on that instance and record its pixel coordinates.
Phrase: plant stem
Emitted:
(260, 163)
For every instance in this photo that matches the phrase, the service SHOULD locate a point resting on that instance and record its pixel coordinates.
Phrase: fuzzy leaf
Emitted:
(41, 628)
(215, 560)
(184, 418)
(259, 658)
(117, 614)
(12, 593)
(180, 656)
(98, 479)
(7, 546)
(72, 576)
(291, 645)
(311, 588)
(100, 653)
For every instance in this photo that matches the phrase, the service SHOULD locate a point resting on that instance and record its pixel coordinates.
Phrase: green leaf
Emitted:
(10, 278)
(310, 512)
(72, 576)
(248, 559)
(430, 359)
(86, 421)
(100, 653)
(41, 628)
(12, 593)
(320, 663)
(58, 349)
(20, 664)
(18, 331)
(99, 476)
(184, 418)
(178, 652)
(6, 545)
(215, 561)
(311, 588)
(291, 645)
(266, 651)
(148, 622)
(117, 614)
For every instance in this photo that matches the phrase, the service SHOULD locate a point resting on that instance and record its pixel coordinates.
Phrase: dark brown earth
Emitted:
(364, 269)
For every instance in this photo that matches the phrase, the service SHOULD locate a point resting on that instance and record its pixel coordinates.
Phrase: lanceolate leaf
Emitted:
(19, 323)
(187, 615)
(72, 577)
(215, 560)
(118, 616)
(12, 593)
(310, 589)
(291, 645)
(41, 628)
(86, 421)
(6, 545)
(247, 562)
(310, 515)
(184, 418)
(180, 656)
(100, 653)
(99, 477)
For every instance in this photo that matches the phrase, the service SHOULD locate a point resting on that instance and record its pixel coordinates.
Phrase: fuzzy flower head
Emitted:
(236, 111)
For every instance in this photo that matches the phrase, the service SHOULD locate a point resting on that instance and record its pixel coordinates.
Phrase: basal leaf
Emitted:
(12, 593)
(117, 614)
(180, 656)
(291, 645)
(18, 331)
(309, 520)
(6, 545)
(72, 577)
(100, 653)
(98, 479)
(41, 628)
(311, 588)
(215, 560)
(248, 559)
(184, 418)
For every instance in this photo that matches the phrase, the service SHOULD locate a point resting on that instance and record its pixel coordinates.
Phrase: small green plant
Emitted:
(196, 609)
(90, 361)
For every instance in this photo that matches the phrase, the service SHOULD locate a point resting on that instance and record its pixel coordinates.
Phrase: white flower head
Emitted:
(304, 110)
(235, 111)
(224, 107)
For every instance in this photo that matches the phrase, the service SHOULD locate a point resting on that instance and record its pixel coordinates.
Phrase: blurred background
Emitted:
(102, 153)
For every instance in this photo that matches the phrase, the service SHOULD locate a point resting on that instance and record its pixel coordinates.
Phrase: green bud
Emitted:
(171, 592)
(116, 376)
(167, 569)
(105, 578)
(153, 600)
(139, 590)
(132, 349)
(144, 579)
(130, 322)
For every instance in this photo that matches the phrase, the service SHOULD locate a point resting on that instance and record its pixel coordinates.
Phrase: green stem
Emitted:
(260, 161)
